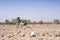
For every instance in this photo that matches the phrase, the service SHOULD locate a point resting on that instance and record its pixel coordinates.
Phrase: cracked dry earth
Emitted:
(42, 32)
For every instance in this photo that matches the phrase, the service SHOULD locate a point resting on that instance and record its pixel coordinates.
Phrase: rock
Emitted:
(2, 35)
(33, 34)
(21, 34)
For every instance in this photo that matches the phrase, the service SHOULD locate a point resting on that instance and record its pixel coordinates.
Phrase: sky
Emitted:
(34, 10)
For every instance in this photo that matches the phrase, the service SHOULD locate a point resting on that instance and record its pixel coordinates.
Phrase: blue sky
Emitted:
(45, 10)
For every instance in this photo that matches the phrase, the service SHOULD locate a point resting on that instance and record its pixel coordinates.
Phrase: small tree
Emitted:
(6, 21)
(56, 21)
(34, 22)
(28, 21)
(41, 22)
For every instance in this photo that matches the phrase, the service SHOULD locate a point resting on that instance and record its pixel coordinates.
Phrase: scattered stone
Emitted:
(2, 39)
(57, 35)
(26, 27)
(16, 26)
(47, 33)
(40, 39)
(2, 35)
(9, 36)
(33, 34)
(43, 34)
(21, 34)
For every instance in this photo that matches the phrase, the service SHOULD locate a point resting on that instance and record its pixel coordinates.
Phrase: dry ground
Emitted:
(43, 32)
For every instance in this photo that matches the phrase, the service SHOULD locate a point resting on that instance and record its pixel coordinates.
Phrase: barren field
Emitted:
(42, 32)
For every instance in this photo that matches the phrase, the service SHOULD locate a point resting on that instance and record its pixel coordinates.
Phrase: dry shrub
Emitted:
(56, 21)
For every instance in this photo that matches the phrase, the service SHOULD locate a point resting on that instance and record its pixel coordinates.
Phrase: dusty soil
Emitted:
(43, 32)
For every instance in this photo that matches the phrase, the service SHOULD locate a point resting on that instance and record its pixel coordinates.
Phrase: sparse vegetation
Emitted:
(56, 21)
(6, 21)
(41, 22)
(18, 21)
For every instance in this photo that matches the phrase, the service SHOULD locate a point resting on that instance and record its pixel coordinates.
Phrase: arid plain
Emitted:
(42, 32)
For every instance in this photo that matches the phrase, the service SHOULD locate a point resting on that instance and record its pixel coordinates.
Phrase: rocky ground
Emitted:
(41, 32)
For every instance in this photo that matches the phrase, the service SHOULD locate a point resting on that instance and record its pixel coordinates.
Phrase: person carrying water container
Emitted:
(18, 21)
